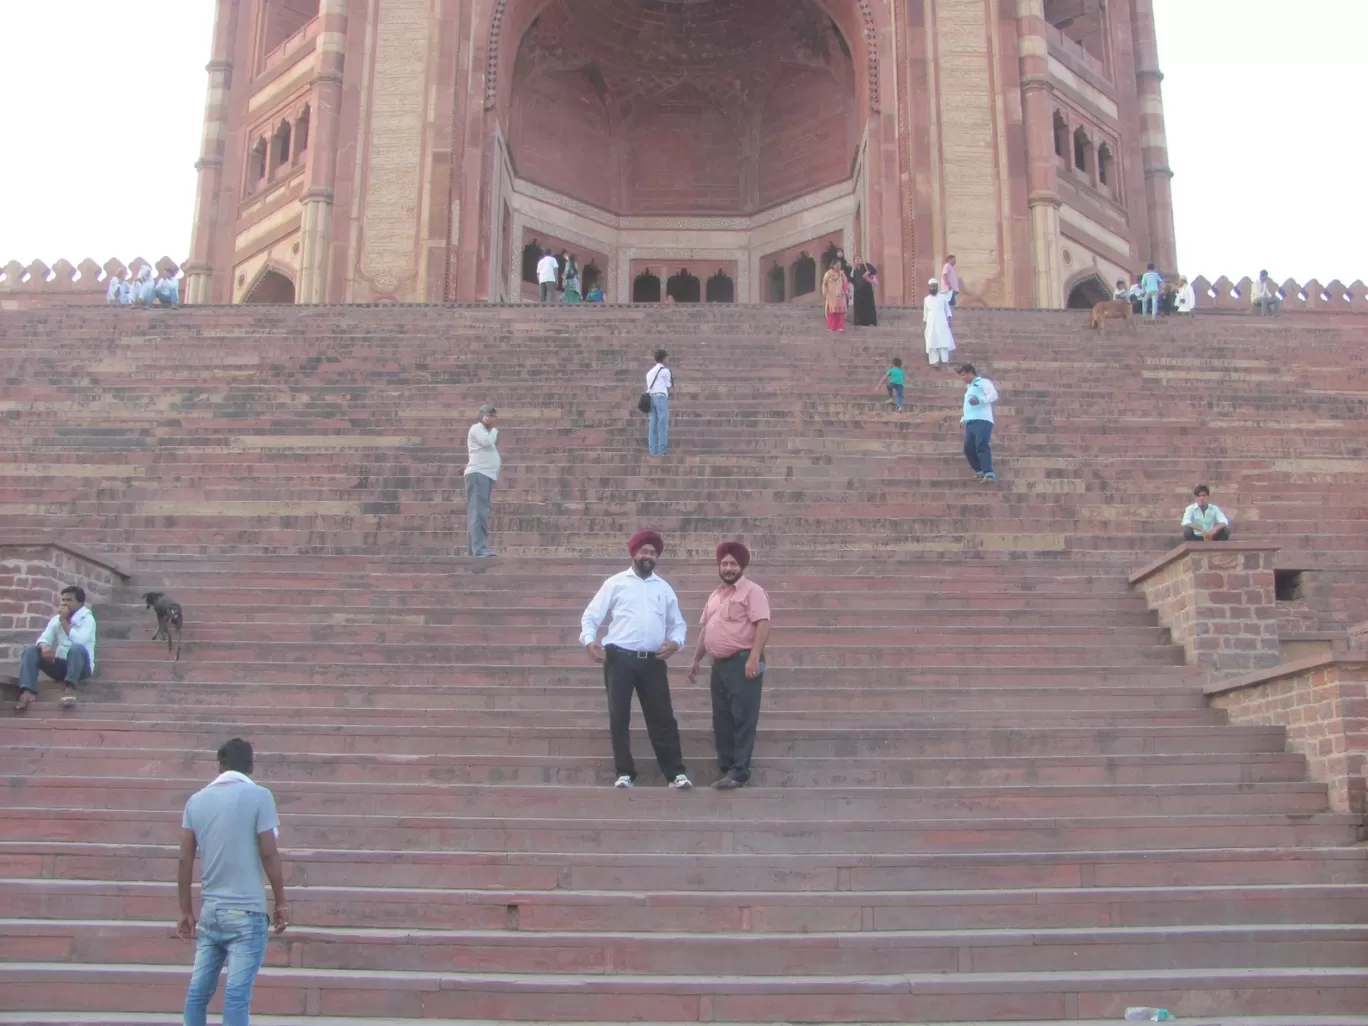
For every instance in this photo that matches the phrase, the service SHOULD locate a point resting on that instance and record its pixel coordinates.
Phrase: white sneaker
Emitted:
(624, 782)
(682, 783)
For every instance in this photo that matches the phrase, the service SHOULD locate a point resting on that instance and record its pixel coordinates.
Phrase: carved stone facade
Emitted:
(405, 150)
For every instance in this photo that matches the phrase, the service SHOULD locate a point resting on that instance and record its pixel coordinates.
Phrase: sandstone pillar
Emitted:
(1038, 121)
(199, 269)
(325, 117)
(1154, 139)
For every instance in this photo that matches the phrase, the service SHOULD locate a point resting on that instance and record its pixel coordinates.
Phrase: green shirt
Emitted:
(895, 375)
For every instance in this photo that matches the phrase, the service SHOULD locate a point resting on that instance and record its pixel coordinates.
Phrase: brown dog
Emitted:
(169, 617)
(1113, 308)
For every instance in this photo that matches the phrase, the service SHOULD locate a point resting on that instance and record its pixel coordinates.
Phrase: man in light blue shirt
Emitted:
(1152, 284)
(646, 629)
(979, 396)
(232, 825)
(1203, 520)
(65, 650)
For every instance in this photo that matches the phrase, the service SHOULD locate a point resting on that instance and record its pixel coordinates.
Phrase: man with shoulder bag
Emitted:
(655, 403)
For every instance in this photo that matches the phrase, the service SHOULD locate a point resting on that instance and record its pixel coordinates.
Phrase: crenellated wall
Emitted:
(27, 286)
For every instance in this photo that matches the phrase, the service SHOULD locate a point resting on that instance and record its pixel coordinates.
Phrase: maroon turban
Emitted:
(736, 550)
(646, 538)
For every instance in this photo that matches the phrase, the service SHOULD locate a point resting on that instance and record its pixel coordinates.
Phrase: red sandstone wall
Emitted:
(807, 136)
(685, 158)
(573, 150)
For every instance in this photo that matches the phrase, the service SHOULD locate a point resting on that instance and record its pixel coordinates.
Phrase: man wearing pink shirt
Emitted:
(949, 279)
(735, 627)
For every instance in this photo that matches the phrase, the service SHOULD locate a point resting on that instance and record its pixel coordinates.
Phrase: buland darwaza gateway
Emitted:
(423, 150)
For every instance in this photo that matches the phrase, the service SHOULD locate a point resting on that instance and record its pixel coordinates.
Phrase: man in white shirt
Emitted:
(1187, 297)
(646, 628)
(548, 270)
(659, 381)
(65, 651)
(1266, 296)
(1204, 521)
(979, 396)
(482, 470)
(167, 290)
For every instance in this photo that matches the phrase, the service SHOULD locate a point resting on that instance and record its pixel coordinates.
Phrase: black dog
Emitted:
(169, 616)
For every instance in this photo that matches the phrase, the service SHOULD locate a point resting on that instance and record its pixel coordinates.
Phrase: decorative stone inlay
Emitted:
(394, 176)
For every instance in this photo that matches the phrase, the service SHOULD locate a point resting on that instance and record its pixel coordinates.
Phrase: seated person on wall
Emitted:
(1204, 521)
(65, 651)
(166, 291)
(1265, 296)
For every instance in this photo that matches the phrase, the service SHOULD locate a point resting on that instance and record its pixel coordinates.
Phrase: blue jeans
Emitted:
(1151, 304)
(978, 435)
(73, 668)
(239, 938)
(168, 295)
(658, 435)
(895, 392)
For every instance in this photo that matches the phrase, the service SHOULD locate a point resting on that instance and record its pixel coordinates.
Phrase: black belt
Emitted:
(629, 653)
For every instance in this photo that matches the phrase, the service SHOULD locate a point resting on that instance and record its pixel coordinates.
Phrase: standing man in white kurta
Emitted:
(646, 629)
(940, 343)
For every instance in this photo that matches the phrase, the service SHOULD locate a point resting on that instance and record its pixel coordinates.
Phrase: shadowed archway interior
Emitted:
(655, 107)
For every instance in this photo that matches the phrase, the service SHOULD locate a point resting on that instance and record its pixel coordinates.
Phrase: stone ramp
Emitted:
(986, 787)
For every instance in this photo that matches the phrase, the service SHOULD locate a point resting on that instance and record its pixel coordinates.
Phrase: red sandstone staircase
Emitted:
(986, 788)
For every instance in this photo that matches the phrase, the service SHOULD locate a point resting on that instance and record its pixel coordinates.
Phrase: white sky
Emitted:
(103, 108)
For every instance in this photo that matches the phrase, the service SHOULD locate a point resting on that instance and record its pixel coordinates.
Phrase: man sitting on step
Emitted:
(65, 651)
(1203, 520)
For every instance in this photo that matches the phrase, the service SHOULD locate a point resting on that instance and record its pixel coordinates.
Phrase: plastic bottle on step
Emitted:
(1148, 1015)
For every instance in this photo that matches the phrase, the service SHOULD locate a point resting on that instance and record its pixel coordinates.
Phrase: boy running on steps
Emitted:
(893, 380)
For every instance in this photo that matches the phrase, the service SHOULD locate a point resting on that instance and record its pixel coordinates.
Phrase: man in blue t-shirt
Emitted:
(232, 824)
(1151, 284)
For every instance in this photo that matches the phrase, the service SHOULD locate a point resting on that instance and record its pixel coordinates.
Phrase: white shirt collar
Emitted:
(232, 775)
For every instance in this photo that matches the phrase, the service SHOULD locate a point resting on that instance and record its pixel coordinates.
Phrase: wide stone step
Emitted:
(719, 835)
(344, 767)
(754, 953)
(639, 873)
(962, 741)
(904, 997)
(758, 804)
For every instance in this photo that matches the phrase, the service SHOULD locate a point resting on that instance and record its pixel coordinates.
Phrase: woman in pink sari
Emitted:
(834, 294)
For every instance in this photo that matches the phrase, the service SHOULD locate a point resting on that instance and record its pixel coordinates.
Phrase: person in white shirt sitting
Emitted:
(548, 270)
(1266, 296)
(144, 286)
(646, 628)
(1204, 521)
(65, 651)
(167, 290)
(114, 294)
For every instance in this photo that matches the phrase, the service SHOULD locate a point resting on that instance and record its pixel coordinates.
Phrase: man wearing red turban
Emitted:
(646, 629)
(736, 626)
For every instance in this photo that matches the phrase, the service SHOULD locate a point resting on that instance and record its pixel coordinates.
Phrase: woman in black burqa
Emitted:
(865, 277)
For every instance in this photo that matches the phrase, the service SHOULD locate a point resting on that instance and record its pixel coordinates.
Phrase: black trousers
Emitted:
(736, 712)
(624, 673)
